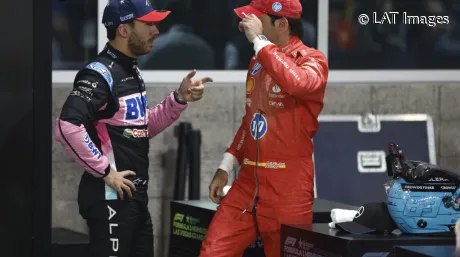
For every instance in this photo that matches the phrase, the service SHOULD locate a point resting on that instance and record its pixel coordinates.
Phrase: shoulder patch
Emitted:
(101, 69)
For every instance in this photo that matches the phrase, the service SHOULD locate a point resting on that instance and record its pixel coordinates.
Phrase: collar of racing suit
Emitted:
(290, 46)
(119, 57)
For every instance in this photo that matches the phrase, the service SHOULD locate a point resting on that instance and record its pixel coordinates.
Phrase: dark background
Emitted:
(25, 143)
(351, 46)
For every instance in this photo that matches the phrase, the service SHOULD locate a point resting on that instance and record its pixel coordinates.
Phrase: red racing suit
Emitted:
(285, 88)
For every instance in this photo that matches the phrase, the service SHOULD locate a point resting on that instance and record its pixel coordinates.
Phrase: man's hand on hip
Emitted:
(192, 90)
(217, 185)
(118, 182)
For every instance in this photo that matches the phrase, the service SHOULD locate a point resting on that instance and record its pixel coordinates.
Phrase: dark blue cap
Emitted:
(118, 12)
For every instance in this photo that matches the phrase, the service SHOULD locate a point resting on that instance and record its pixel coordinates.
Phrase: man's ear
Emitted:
(282, 24)
(123, 30)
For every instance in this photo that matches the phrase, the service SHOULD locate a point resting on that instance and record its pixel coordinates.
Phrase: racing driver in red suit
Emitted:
(273, 147)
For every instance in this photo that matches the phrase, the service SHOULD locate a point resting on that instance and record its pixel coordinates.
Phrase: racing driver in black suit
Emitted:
(105, 125)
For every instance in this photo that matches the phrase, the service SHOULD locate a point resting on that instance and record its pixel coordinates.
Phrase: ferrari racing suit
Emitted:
(106, 123)
(273, 147)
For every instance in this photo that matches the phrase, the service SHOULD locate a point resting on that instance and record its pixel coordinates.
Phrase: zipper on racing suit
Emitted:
(255, 199)
(140, 84)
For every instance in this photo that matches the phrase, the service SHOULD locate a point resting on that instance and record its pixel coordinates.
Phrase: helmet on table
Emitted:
(422, 198)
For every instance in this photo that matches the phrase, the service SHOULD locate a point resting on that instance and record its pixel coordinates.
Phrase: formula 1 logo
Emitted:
(290, 241)
(179, 217)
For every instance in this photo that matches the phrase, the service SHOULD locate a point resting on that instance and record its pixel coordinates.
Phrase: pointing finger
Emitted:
(206, 80)
(191, 74)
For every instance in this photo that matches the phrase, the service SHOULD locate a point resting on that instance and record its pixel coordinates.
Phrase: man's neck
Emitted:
(282, 40)
(123, 48)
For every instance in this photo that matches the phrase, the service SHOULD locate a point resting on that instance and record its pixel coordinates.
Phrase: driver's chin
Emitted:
(148, 47)
(144, 51)
(141, 48)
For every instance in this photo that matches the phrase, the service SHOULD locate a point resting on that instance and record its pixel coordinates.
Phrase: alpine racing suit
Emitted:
(273, 147)
(106, 123)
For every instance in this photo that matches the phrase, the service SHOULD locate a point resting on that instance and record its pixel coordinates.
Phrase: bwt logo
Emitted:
(135, 107)
(290, 241)
(92, 148)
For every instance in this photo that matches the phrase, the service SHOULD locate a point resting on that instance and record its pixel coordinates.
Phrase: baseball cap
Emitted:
(118, 12)
(371, 218)
(283, 8)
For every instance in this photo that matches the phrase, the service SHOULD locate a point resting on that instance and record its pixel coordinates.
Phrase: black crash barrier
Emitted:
(68, 243)
(194, 161)
(188, 156)
(25, 131)
(181, 132)
(190, 221)
(320, 240)
(426, 251)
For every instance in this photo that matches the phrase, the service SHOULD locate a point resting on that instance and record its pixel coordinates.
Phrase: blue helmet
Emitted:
(422, 198)
(423, 208)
